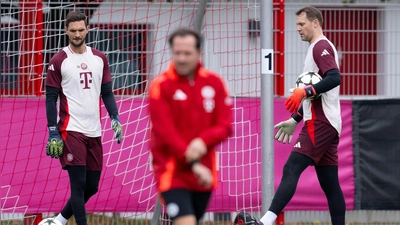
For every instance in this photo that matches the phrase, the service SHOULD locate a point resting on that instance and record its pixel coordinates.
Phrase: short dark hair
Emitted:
(183, 32)
(75, 16)
(312, 13)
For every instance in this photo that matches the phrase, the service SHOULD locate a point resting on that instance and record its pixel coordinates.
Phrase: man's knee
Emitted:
(296, 164)
(77, 177)
(92, 184)
(90, 191)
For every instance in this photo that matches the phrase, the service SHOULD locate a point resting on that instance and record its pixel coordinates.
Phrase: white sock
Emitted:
(268, 218)
(60, 218)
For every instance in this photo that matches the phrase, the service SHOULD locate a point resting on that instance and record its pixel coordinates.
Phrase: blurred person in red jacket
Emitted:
(190, 113)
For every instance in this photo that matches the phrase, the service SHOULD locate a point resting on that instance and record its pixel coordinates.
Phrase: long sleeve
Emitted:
(163, 129)
(109, 99)
(51, 105)
(331, 80)
(53, 86)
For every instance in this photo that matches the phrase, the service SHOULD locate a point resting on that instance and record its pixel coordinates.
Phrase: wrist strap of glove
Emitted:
(297, 117)
(310, 91)
(53, 130)
(115, 117)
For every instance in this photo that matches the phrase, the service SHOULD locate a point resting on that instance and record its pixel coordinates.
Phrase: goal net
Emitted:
(133, 35)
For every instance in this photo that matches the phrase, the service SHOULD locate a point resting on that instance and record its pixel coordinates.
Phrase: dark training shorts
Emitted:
(181, 202)
(319, 141)
(80, 150)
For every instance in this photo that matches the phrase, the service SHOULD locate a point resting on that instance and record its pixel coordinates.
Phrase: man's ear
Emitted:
(315, 23)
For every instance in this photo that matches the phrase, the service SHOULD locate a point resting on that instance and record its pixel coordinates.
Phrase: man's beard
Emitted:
(185, 72)
(77, 45)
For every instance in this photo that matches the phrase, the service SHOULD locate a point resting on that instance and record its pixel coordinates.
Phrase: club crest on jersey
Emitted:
(208, 105)
(208, 93)
(70, 157)
(84, 66)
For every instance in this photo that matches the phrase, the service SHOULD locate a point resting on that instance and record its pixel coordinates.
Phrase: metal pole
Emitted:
(200, 14)
(267, 102)
(156, 212)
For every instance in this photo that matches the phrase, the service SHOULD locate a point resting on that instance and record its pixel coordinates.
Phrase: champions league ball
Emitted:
(50, 221)
(308, 78)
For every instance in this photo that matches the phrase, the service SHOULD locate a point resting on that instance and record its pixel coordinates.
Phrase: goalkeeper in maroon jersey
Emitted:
(319, 138)
(79, 76)
(190, 113)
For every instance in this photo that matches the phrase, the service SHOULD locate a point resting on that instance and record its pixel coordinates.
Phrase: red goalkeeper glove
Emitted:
(293, 102)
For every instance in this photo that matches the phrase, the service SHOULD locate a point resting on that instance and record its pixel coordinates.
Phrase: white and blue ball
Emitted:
(50, 221)
(307, 78)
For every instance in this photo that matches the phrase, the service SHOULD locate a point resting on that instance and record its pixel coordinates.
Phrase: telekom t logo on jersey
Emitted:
(86, 79)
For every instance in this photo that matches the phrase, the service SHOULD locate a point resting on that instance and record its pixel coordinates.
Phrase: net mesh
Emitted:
(133, 35)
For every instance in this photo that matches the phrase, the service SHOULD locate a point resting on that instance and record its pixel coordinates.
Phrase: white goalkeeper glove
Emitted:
(286, 130)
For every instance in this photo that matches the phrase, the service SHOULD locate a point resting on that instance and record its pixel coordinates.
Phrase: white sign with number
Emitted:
(267, 61)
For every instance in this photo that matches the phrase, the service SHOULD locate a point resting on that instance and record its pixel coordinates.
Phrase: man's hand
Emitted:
(203, 174)
(286, 130)
(55, 143)
(195, 150)
(293, 102)
(117, 127)
(298, 94)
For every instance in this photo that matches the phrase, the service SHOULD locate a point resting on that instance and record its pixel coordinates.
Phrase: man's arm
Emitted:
(108, 96)
(55, 144)
(109, 100)
(331, 80)
(299, 115)
(51, 105)
(162, 125)
(53, 87)
(327, 64)
(111, 106)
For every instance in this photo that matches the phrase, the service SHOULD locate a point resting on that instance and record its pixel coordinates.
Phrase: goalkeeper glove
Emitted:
(293, 102)
(116, 126)
(286, 130)
(55, 143)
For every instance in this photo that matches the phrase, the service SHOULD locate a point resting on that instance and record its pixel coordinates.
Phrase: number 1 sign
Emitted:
(267, 61)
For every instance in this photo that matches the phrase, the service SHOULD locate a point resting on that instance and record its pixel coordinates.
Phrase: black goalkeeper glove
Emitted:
(55, 143)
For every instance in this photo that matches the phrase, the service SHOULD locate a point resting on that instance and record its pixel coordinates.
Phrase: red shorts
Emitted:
(319, 141)
(80, 150)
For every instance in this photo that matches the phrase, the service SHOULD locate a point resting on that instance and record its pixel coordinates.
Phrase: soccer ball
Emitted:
(50, 221)
(308, 78)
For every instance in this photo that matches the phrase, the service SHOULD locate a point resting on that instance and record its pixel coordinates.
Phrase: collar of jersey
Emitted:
(172, 74)
(70, 49)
